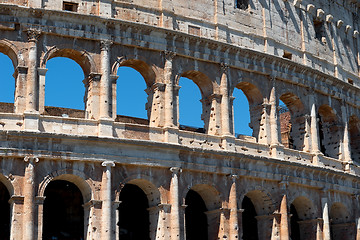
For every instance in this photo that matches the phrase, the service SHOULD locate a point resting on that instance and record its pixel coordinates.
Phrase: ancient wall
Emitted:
(295, 177)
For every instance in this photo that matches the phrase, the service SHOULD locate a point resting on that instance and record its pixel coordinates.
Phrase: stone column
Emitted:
(170, 104)
(171, 99)
(164, 212)
(175, 204)
(20, 89)
(274, 116)
(307, 140)
(39, 200)
(274, 123)
(106, 201)
(212, 118)
(225, 109)
(105, 98)
(16, 208)
(92, 213)
(92, 95)
(284, 218)
(115, 215)
(325, 215)
(32, 78)
(42, 73)
(240, 224)
(315, 140)
(29, 199)
(233, 221)
(154, 213)
(346, 148)
(156, 104)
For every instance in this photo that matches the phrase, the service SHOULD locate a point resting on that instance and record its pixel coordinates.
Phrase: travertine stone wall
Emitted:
(270, 51)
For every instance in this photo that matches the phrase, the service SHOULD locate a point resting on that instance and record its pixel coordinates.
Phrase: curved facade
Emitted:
(71, 174)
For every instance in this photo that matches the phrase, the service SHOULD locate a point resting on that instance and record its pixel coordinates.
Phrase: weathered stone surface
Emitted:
(300, 169)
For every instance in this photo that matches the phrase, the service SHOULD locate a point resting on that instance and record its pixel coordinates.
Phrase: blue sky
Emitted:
(64, 88)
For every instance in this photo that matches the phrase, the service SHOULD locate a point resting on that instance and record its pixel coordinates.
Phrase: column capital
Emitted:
(33, 34)
(108, 164)
(93, 203)
(16, 199)
(233, 177)
(224, 67)
(175, 170)
(42, 71)
(105, 45)
(39, 200)
(272, 78)
(31, 159)
(92, 77)
(169, 55)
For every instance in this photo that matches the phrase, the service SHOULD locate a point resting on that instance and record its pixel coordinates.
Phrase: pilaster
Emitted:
(42, 82)
(176, 232)
(325, 214)
(284, 216)
(92, 95)
(20, 89)
(32, 84)
(17, 207)
(233, 219)
(225, 110)
(29, 198)
(106, 201)
(105, 82)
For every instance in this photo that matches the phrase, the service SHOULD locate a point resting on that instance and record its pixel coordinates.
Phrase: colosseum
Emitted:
(90, 174)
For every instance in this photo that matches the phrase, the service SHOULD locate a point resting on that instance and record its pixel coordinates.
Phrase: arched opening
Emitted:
(354, 134)
(7, 90)
(329, 132)
(64, 88)
(190, 106)
(303, 223)
(292, 121)
(294, 223)
(132, 101)
(63, 212)
(249, 222)
(340, 219)
(133, 213)
(196, 224)
(5, 213)
(241, 114)
(254, 100)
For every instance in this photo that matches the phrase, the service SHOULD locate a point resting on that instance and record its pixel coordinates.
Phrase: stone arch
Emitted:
(201, 80)
(144, 183)
(9, 186)
(330, 131)
(203, 202)
(292, 121)
(80, 56)
(252, 92)
(255, 99)
(210, 195)
(262, 201)
(208, 98)
(341, 225)
(305, 208)
(139, 65)
(10, 50)
(354, 134)
(339, 213)
(303, 219)
(78, 178)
